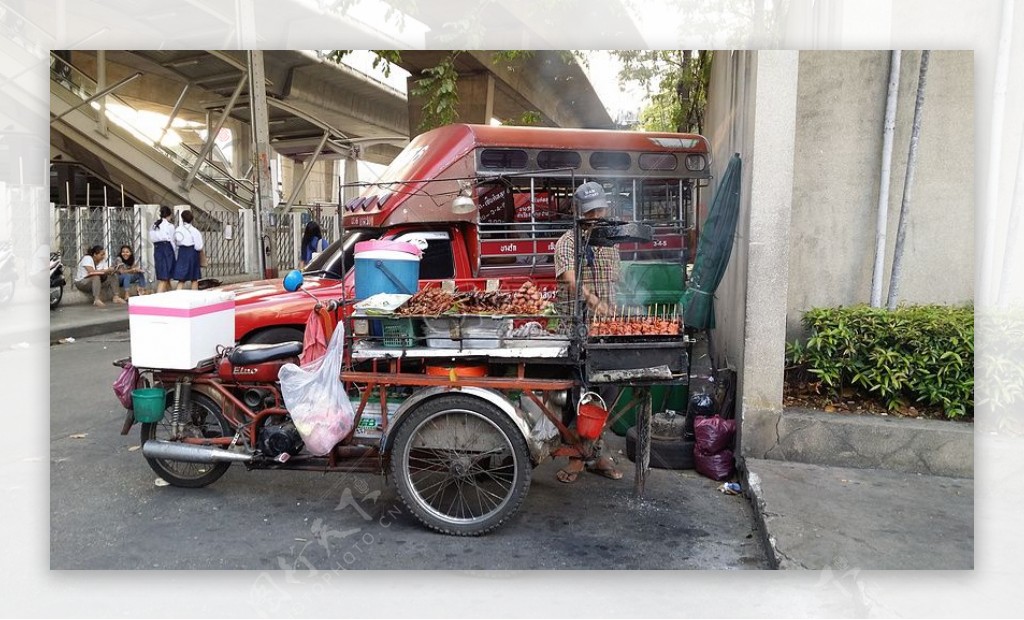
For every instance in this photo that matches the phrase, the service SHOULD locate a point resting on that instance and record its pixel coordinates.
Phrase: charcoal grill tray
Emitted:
(633, 353)
(622, 342)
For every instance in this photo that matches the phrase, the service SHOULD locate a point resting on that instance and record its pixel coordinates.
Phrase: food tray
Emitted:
(467, 332)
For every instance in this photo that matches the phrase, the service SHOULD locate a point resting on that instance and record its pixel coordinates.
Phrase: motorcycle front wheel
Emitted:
(204, 420)
(56, 294)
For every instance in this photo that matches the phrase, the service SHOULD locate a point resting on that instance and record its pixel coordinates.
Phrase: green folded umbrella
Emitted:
(713, 249)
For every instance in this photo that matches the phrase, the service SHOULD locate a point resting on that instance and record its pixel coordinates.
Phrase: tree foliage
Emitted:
(439, 87)
(676, 81)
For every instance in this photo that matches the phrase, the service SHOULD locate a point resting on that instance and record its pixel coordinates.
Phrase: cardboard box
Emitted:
(179, 329)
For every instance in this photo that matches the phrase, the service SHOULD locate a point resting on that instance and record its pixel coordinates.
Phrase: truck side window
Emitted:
(438, 262)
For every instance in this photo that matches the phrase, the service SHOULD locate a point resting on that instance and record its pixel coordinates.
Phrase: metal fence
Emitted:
(224, 242)
(280, 233)
(78, 228)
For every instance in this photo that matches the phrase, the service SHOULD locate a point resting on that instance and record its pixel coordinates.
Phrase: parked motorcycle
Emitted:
(8, 273)
(57, 280)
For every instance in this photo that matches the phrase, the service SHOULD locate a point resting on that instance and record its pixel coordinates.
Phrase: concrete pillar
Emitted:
(296, 239)
(145, 217)
(351, 177)
(768, 172)
(241, 144)
(292, 174)
(476, 101)
(476, 98)
(326, 193)
(250, 247)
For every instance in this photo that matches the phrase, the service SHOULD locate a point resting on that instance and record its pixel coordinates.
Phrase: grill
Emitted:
(637, 344)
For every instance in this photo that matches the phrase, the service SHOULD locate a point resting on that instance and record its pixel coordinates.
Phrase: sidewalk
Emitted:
(84, 319)
(820, 517)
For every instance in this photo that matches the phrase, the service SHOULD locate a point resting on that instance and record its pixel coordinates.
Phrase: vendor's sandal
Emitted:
(605, 467)
(570, 472)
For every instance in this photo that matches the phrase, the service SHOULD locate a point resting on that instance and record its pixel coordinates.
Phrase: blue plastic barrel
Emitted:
(386, 267)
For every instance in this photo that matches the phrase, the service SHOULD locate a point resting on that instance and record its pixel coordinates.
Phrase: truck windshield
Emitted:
(337, 258)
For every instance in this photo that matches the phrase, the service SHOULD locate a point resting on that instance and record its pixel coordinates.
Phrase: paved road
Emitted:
(107, 513)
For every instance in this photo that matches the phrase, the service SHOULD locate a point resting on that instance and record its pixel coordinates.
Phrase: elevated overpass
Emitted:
(318, 111)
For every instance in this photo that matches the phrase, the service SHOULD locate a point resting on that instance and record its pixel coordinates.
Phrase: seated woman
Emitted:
(129, 272)
(93, 276)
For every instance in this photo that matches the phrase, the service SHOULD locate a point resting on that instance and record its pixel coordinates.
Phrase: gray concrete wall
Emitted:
(808, 126)
(840, 112)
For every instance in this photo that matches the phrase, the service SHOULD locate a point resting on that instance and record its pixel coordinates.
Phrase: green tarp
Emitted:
(713, 249)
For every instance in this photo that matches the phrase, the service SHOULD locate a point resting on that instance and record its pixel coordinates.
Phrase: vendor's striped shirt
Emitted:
(600, 268)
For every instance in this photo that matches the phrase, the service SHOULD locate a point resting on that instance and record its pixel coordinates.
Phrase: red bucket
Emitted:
(590, 416)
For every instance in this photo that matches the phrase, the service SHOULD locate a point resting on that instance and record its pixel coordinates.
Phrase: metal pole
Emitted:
(908, 185)
(103, 92)
(305, 172)
(264, 201)
(211, 136)
(101, 83)
(174, 113)
(643, 441)
(889, 128)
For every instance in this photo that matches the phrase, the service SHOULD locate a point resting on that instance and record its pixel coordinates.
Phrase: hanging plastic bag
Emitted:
(125, 383)
(316, 398)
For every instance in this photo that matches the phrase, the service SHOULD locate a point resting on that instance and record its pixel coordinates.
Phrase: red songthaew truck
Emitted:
(520, 181)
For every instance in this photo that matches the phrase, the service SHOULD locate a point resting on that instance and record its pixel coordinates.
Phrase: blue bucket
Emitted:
(386, 267)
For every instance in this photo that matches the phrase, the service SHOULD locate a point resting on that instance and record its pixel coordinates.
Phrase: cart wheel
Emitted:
(460, 465)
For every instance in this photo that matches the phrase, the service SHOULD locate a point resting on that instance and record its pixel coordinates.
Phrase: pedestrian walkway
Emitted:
(81, 320)
(817, 517)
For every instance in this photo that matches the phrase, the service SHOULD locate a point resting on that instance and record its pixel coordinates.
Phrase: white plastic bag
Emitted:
(315, 397)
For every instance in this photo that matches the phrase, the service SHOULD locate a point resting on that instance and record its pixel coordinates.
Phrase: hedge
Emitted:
(911, 355)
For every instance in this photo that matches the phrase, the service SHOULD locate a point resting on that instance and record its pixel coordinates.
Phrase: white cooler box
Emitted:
(179, 329)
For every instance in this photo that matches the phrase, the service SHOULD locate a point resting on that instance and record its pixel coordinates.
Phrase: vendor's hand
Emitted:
(602, 308)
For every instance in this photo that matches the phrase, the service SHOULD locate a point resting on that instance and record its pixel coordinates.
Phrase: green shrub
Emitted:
(915, 354)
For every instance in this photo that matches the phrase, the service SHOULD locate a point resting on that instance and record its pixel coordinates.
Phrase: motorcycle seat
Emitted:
(249, 354)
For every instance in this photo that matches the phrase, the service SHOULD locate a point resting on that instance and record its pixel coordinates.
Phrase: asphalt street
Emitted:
(107, 512)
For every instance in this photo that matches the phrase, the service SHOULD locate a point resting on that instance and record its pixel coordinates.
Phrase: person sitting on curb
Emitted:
(129, 272)
(93, 276)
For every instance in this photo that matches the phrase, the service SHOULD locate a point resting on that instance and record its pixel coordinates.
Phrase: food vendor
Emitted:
(600, 277)
(600, 264)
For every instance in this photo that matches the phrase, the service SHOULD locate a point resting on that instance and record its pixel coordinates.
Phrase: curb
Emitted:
(864, 441)
(755, 495)
(88, 329)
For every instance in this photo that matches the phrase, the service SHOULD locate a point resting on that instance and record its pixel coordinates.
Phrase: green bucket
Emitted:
(149, 404)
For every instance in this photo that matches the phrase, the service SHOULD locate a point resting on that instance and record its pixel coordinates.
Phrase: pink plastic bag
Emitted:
(713, 434)
(125, 383)
(717, 466)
